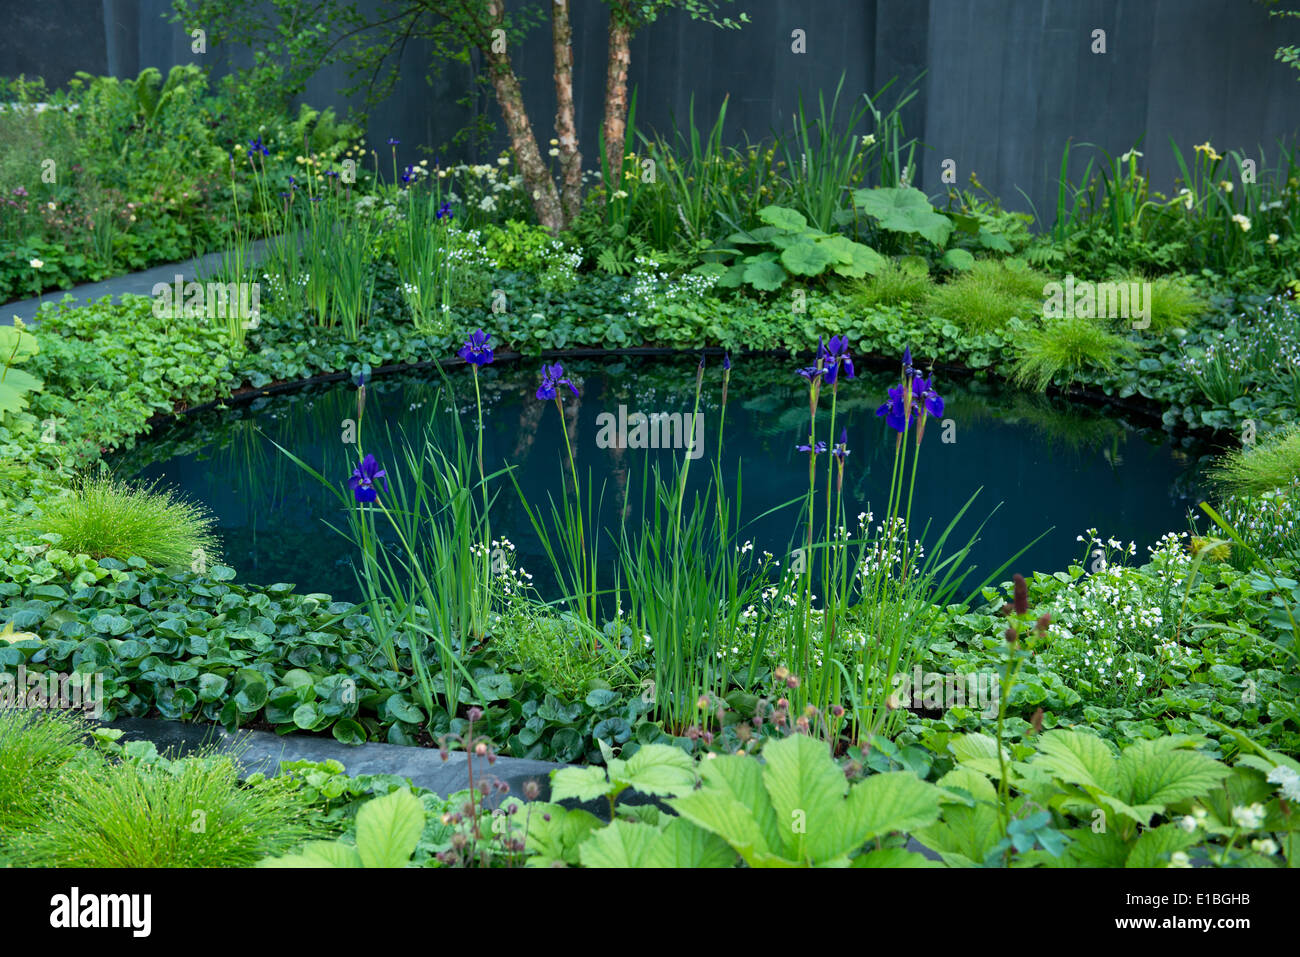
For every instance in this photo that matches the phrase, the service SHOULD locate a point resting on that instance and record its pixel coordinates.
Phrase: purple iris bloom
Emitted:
(811, 373)
(894, 411)
(923, 394)
(476, 350)
(834, 354)
(551, 377)
(408, 174)
(841, 449)
(726, 362)
(909, 371)
(393, 141)
(818, 450)
(256, 146)
(444, 211)
(363, 479)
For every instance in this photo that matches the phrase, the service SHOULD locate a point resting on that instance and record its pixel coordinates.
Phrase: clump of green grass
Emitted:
(1013, 276)
(1066, 345)
(1274, 463)
(187, 813)
(1174, 303)
(983, 299)
(895, 284)
(555, 653)
(35, 746)
(107, 518)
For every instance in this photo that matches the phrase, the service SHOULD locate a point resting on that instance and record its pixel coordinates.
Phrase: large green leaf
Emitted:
(978, 752)
(1153, 846)
(968, 779)
(388, 828)
(965, 835)
(318, 854)
(1153, 775)
(893, 801)
(682, 844)
(904, 210)
(14, 387)
(783, 218)
(1079, 758)
(894, 857)
(852, 259)
(1089, 848)
(958, 259)
(723, 815)
(764, 274)
(659, 769)
(807, 790)
(16, 345)
(806, 258)
(555, 834)
(635, 844)
(756, 237)
(742, 779)
(583, 784)
(620, 844)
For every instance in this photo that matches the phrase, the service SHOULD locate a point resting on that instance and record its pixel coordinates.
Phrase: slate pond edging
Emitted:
(264, 751)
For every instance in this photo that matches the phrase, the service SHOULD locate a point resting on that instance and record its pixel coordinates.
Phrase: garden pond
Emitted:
(1051, 468)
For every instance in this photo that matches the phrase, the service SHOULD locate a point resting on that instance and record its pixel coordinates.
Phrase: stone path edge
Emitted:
(263, 751)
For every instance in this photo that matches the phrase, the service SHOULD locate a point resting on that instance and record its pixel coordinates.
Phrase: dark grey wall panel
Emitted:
(1006, 82)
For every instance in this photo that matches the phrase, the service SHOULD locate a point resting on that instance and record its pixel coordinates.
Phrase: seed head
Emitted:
(1020, 593)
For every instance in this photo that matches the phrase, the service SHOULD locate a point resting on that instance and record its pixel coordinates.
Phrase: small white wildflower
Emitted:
(1266, 846)
(1248, 818)
(1288, 782)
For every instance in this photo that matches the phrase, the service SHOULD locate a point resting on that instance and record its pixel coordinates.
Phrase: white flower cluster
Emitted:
(651, 288)
(1269, 518)
(1264, 339)
(885, 551)
(1099, 622)
(1287, 781)
(511, 579)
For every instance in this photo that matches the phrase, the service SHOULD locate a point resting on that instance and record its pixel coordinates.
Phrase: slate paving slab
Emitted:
(136, 283)
(264, 751)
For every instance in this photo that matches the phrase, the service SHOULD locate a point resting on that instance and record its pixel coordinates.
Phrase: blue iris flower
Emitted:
(551, 377)
(923, 394)
(894, 410)
(476, 350)
(363, 480)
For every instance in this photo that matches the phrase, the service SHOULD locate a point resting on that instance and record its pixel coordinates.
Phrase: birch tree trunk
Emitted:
(566, 130)
(510, 99)
(616, 69)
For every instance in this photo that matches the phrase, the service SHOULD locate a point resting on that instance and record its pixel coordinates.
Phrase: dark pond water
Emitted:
(1049, 465)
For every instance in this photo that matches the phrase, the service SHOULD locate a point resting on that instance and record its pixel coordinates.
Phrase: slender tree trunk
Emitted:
(620, 56)
(510, 98)
(566, 130)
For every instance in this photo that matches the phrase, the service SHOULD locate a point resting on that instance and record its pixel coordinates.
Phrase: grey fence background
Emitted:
(1003, 84)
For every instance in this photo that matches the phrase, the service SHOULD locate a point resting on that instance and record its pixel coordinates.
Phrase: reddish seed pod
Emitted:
(1020, 593)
